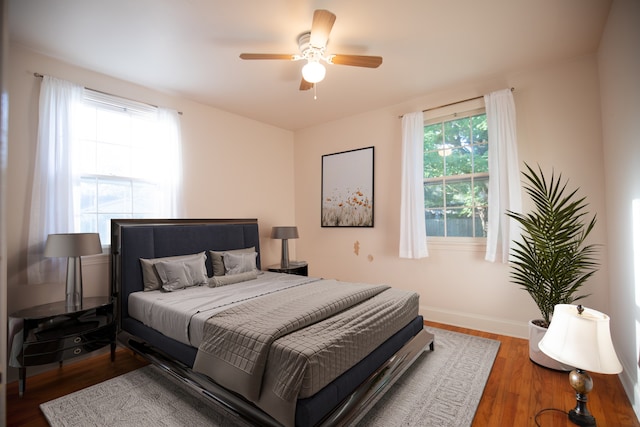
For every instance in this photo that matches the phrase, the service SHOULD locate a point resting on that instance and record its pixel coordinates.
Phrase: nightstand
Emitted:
(301, 268)
(54, 332)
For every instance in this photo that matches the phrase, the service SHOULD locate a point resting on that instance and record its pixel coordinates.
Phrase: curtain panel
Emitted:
(504, 175)
(169, 137)
(52, 201)
(413, 236)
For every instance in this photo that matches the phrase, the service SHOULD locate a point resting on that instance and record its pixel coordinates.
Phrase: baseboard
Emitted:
(473, 321)
(632, 389)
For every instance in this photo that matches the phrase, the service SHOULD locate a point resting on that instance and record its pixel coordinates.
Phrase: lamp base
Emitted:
(582, 383)
(580, 419)
(284, 259)
(73, 293)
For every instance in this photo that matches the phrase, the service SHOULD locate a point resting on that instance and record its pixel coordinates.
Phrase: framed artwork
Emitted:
(347, 188)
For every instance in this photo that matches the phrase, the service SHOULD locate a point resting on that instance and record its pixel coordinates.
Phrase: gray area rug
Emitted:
(441, 389)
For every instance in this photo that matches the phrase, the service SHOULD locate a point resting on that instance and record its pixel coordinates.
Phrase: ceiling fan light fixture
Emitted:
(312, 46)
(313, 72)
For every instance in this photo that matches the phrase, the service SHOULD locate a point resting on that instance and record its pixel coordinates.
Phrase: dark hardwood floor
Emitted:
(515, 392)
(25, 410)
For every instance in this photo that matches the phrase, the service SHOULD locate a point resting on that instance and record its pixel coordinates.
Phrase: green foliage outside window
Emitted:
(456, 177)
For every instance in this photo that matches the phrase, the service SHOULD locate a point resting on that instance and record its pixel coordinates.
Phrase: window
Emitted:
(122, 161)
(456, 175)
(98, 157)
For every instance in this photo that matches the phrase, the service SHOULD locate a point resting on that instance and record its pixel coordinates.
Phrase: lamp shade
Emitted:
(72, 245)
(289, 232)
(581, 339)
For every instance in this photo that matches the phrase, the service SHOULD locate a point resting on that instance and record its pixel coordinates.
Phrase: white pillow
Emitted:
(181, 274)
(235, 263)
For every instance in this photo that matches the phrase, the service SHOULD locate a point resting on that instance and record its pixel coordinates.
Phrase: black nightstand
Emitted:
(301, 268)
(53, 332)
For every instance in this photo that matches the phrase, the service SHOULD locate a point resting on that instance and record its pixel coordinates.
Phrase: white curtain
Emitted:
(52, 202)
(504, 174)
(413, 238)
(169, 130)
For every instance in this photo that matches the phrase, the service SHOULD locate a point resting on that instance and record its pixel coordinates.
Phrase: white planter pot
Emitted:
(536, 355)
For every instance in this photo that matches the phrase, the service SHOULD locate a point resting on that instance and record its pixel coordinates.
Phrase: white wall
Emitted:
(233, 167)
(558, 119)
(619, 65)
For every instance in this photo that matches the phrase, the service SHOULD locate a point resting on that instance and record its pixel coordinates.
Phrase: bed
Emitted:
(274, 370)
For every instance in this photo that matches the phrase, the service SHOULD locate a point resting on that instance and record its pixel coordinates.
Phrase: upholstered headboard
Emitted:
(132, 239)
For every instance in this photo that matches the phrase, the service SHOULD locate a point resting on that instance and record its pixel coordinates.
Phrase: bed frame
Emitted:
(339, 403)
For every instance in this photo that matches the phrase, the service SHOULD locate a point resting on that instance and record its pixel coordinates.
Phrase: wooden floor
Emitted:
(516, 391)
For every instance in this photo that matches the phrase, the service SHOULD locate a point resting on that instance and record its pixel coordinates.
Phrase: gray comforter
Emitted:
(281, 347)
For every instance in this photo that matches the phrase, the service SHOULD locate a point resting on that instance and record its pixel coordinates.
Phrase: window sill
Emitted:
(457, 244)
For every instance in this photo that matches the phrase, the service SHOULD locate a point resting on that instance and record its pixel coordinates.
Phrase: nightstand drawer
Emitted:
(78, 340)
(58, 354)
(59, 327)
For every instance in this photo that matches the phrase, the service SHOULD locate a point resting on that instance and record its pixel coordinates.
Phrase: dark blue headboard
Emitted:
(132, 239)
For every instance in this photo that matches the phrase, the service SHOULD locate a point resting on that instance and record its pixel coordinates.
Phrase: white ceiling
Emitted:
(191, 47)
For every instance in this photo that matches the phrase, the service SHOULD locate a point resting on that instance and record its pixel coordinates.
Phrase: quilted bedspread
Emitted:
(281, 347)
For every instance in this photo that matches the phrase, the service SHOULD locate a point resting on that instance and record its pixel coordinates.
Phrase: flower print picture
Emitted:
(347, 188)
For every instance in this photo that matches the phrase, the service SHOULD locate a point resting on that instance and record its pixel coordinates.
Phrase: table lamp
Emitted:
(580, 337)
(284, 233)
(73, 246)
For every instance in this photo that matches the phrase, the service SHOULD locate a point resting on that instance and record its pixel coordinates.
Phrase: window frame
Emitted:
(442, 115)
(106, 102)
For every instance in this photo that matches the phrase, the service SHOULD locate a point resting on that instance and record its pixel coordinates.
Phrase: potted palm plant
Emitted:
(552, 261)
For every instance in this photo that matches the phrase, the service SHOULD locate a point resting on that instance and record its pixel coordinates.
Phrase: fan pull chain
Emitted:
(315, 93)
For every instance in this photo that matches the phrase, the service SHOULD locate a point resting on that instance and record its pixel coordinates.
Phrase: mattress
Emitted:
(181, 315)
(306, 337)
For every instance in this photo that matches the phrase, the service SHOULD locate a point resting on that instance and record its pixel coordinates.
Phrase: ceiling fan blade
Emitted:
(305, 85)
(321, 27)
(357, 60)
(289, 57)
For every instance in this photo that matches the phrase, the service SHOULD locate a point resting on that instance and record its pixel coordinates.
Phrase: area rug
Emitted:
(443, 389)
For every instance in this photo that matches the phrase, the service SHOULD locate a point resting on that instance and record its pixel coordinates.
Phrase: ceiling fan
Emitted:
(313, 45)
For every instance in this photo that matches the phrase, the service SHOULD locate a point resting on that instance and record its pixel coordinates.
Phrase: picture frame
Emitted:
(347, 188)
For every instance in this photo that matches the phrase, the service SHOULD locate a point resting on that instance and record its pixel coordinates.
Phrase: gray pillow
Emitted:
(181, 274)
(235, 263)
(150, 277)
(228, 279)
(218, 263)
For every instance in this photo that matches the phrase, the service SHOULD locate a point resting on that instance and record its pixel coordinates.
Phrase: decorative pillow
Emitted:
(235, 263)
(228, 279)
(150, 277)
(218, 263)
(174, 275)
(181, 274)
